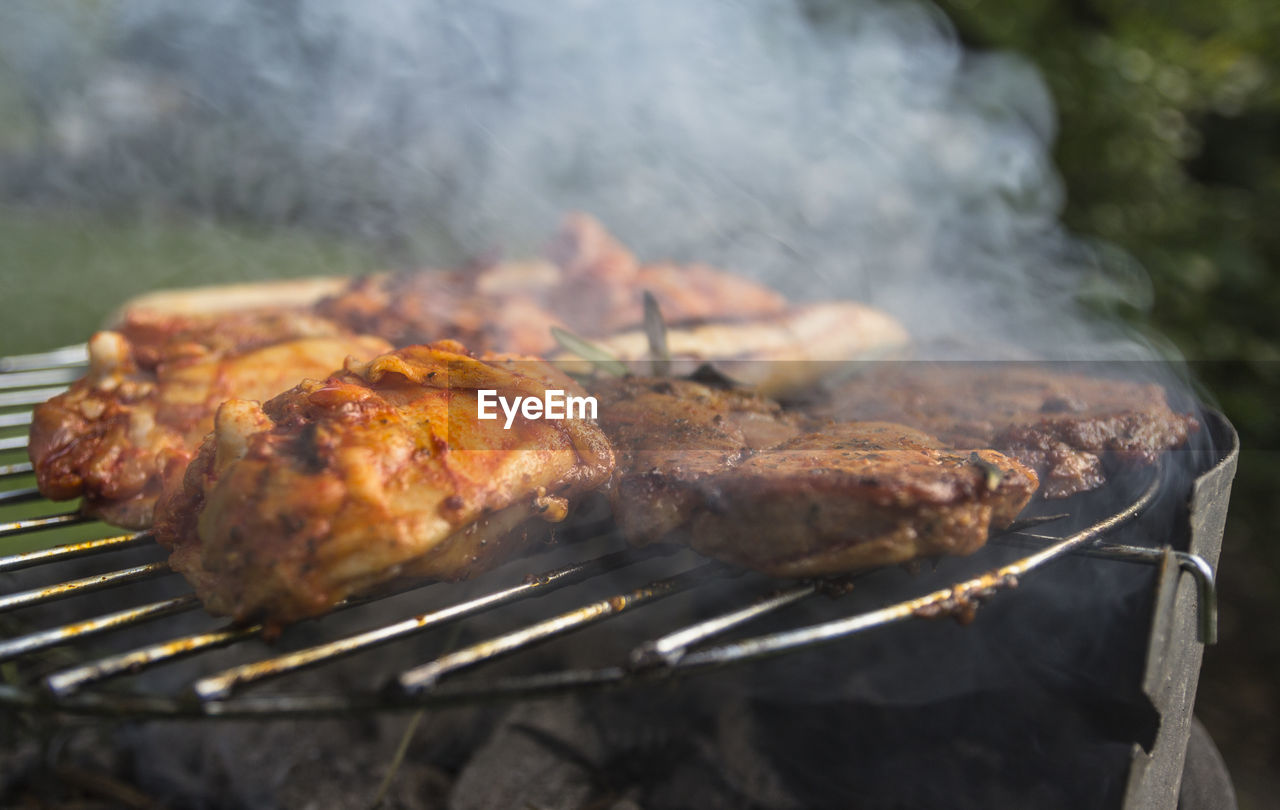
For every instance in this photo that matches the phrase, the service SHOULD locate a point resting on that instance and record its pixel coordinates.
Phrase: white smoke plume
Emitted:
(834, 148)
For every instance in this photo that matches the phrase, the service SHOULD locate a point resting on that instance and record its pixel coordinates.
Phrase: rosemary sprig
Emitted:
(655, 328)
(596, 355)
(993, 473)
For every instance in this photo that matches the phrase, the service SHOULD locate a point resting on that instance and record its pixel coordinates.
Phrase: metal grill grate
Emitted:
(615, 581)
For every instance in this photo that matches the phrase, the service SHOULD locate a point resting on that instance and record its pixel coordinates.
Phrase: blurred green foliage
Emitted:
(81, 266)
(1169, 147)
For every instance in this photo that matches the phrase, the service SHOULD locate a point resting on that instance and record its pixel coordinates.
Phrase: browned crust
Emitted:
(151, 393)
(727, 472)
(590, 284)
(1068, 427)
(857, 495)
(378, 472)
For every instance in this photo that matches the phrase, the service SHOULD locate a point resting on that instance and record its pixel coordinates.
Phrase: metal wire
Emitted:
(67, 357)
(32, 379)
(76, 587)
(34, 642)
(1193, 564)
(72, 550)
(69, 680)
(29, 396)
(13, 443)
(424, 677)
(222, 684)
(71, 689)
(679, 650)
(667, 650)
(21, 495)
(36, 524)
(15, 419)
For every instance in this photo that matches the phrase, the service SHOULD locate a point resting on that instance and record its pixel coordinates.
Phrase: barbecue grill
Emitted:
(110, 653)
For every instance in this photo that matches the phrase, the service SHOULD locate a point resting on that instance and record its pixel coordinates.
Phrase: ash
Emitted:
(614, 752)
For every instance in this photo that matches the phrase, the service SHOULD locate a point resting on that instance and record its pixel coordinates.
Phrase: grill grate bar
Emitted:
(26, 559)
(23, 495)
(18, 419)
(43, 639)
(957, 598)
(38, 523)
(31, 379)
(424, 677)
(676, 651)
(70, 680)
(13, 443)
(1194, 564)
(65, 357)
(74, 587)
(669, 648)
(29, 396)
(224, 683)
(67, 681)
(21, 468)
(645, 664)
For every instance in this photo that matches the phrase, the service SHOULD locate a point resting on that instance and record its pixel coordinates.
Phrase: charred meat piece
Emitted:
(602, 285)
(857, 495)
(150, 396)
(1067, 427)
(738, 479)
(590, 285)
(672, 435)
(379, 472)
(492, 309)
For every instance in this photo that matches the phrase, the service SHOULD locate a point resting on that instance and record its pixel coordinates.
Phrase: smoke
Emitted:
(833, 148)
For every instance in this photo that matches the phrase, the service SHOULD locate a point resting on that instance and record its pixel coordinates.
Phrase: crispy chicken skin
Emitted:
(1065, 426)
(738, 479)
(379, 472)
(150, 396)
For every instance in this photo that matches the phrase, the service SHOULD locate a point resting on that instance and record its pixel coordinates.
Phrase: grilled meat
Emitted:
(592, 286)
(739, 479)
(1067, 427)
(672, 435)
(283, 294)
(474, 308)
(855, 495)
(157, 378)
(380, 471)
(150, 396)
(602, 286)
(774, 353)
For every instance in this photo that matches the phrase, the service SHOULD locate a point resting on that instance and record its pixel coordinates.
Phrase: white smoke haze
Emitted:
(848, 149)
